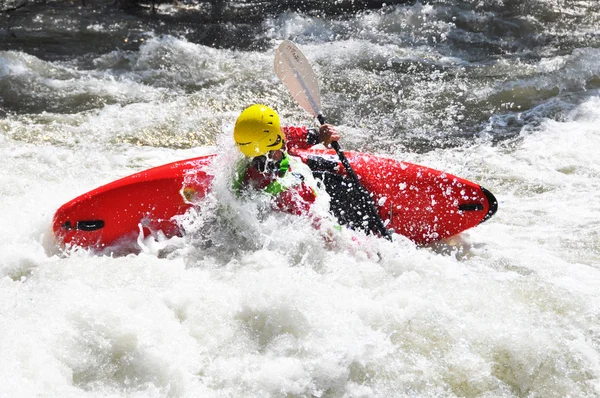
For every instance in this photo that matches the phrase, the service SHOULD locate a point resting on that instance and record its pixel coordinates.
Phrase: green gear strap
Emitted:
(274, 188)
(284, 165)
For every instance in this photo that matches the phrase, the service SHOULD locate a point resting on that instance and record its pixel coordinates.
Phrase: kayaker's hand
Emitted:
(328, 134)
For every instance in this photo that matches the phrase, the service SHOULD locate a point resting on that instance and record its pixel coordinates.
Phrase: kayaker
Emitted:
(268, 166)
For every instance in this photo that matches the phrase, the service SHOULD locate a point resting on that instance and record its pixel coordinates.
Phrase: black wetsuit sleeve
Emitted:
(313, 137)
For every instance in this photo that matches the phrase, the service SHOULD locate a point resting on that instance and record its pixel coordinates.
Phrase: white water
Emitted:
(510, 308)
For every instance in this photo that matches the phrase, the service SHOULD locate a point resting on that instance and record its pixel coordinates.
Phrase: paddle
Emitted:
(295, 72)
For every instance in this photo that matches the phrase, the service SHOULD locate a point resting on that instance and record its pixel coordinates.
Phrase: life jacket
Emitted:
(292, 184)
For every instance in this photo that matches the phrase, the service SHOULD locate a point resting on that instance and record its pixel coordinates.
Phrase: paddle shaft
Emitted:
(369, 200)
(294, 70)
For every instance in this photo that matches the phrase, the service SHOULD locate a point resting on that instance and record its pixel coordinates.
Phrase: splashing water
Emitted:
(257, 303)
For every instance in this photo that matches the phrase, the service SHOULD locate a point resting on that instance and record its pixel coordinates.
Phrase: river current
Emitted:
(504, 93)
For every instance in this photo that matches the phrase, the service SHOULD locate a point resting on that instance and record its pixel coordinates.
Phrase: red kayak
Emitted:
(420, 203)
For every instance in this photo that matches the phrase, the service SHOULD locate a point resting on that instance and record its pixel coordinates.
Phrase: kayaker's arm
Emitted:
(303, 138)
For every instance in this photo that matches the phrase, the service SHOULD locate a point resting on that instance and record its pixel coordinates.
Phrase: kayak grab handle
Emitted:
(85, 225)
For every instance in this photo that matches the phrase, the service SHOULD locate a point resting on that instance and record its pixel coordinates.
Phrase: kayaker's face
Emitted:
(268, 162)
(275, 155)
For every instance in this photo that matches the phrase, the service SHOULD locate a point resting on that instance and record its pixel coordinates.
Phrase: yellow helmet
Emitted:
(257, 131)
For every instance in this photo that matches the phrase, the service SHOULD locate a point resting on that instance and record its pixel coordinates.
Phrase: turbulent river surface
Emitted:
(505, 93)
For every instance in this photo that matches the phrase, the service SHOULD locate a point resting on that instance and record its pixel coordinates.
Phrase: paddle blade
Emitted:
(295, 72)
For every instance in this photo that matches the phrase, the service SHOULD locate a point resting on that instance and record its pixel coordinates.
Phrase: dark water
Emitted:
(435, 74)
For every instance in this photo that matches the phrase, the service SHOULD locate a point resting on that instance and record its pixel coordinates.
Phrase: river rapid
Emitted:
(504, 93)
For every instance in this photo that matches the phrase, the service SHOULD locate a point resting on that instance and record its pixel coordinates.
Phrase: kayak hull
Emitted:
(114, 213)
(420, 203)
